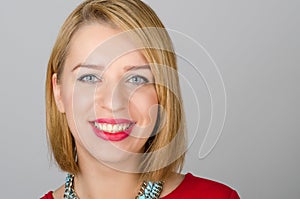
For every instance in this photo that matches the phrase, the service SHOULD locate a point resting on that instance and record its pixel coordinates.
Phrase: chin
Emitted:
(122, 161)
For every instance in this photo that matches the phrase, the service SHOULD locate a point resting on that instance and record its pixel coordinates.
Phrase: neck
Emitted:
(98, 180)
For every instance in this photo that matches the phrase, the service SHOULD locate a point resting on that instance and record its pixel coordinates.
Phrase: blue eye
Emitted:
(138, 80)
(89, 78)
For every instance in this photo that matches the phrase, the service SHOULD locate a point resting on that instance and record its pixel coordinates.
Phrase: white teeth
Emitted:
(119, 128)
(115, 129)
(111, 128)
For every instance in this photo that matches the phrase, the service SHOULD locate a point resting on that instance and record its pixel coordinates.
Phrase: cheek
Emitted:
(143, 105)
(78, 101)
(77, 96)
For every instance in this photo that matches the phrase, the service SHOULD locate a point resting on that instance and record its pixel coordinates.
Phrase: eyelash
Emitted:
(94, 79)
(83, 78)
(144, 80)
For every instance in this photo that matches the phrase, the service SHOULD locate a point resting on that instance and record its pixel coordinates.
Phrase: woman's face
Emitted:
(108, 95)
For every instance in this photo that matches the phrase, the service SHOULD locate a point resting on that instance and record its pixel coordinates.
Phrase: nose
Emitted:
(110, 97)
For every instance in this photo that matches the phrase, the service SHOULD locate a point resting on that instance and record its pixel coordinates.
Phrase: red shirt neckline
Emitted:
(191, 187)
(179, 188)
(49, 195)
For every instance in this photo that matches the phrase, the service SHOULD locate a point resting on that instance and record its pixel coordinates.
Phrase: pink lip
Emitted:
(119, 136)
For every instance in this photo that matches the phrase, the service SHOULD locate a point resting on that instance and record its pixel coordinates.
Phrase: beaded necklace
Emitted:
(149, 190)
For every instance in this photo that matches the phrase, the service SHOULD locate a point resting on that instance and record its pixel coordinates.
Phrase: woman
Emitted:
(115, 119)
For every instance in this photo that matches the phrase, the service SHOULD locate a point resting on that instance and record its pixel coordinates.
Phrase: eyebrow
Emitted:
(99, 67)
(131, 68)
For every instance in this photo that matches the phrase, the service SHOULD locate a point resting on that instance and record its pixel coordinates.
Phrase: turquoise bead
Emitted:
(149, 190)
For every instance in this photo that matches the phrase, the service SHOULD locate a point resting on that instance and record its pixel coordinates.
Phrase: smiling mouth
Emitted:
(112, 129)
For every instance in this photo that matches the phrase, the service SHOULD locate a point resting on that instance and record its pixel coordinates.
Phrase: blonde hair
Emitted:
(126, 15)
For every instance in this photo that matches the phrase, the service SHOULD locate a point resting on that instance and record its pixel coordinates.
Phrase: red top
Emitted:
(194, 188)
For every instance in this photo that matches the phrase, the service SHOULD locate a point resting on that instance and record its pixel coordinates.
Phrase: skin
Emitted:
(119, 87)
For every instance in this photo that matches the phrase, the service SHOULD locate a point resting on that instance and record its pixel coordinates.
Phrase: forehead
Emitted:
(100, 44)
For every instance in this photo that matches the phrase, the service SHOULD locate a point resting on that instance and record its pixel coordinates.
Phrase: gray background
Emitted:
(256, 46)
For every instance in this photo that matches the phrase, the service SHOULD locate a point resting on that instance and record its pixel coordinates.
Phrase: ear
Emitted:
(57, 93)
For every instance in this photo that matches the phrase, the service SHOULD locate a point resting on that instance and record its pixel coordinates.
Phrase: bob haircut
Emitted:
(166, 149)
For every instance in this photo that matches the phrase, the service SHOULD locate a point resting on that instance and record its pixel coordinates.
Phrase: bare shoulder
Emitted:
(59, 193)
(172, 182)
